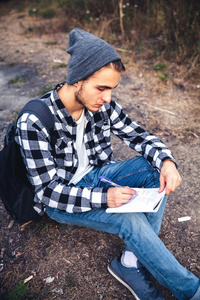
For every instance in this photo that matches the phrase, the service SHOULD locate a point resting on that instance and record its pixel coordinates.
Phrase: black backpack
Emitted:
(15, 190)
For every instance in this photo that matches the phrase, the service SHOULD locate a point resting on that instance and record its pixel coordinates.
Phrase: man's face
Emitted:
(97, 89)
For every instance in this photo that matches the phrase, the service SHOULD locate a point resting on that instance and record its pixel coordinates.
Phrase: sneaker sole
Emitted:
(112, 272)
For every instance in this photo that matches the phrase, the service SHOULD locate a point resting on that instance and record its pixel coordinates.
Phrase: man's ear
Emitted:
(79, 83)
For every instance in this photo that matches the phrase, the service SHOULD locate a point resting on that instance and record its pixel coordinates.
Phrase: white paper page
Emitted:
(146, 200)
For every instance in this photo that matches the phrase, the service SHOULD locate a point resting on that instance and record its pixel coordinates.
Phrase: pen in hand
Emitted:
(107, 180)
(122, 197)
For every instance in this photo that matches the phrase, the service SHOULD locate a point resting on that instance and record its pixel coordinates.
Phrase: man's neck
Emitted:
(67, 96)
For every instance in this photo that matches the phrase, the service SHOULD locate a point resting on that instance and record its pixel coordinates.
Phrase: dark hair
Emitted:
(117, 65)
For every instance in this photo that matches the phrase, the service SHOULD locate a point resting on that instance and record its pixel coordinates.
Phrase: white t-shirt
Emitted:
(84, 166)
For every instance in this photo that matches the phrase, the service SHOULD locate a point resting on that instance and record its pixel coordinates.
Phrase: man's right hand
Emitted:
(117, 196)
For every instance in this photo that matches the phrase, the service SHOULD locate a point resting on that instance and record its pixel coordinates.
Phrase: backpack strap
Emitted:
(41, 110)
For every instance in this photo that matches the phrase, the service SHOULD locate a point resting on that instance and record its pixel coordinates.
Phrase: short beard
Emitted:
(79, 97)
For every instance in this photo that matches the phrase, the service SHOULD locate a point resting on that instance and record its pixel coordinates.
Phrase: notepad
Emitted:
(146, 200)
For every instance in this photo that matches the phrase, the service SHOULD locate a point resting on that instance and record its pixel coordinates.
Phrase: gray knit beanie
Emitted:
(88, 54)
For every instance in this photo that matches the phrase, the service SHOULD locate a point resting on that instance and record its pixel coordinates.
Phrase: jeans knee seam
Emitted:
(133, 173)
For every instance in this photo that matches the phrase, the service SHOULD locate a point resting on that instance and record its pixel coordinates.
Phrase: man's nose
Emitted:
(107, 95)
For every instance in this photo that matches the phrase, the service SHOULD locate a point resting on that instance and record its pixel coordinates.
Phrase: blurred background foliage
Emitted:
(173, 24)
(170, 28)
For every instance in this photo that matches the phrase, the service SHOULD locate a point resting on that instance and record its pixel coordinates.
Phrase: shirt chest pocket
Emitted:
(102, 135)
(64, 152)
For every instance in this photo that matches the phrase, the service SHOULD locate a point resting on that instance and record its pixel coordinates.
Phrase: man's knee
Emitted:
(150, 175)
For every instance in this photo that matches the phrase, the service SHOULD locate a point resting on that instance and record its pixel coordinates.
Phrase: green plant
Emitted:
(160, 66)
(48, 13)
(62, 3)
(164, 76)
(60, 66)
(47, 227)
(32, 11)
(18, 292)
(70, 282)
(51, 43)
(17, 79)
(48, 87)
(162, 70)
(37, 227)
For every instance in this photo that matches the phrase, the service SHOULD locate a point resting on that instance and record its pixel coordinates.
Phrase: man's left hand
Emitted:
(169, 177)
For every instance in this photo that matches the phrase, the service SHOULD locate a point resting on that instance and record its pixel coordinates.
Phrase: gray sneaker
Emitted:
(137, 280)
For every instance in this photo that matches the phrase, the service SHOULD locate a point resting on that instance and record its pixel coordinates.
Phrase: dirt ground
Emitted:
(64, 262)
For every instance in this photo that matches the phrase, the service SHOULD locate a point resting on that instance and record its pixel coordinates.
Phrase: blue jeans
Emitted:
(138, 230)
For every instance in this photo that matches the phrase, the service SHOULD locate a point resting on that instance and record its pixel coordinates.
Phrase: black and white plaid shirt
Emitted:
(50, 170)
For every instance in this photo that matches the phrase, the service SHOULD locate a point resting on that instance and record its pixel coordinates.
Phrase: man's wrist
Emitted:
(169, 161)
